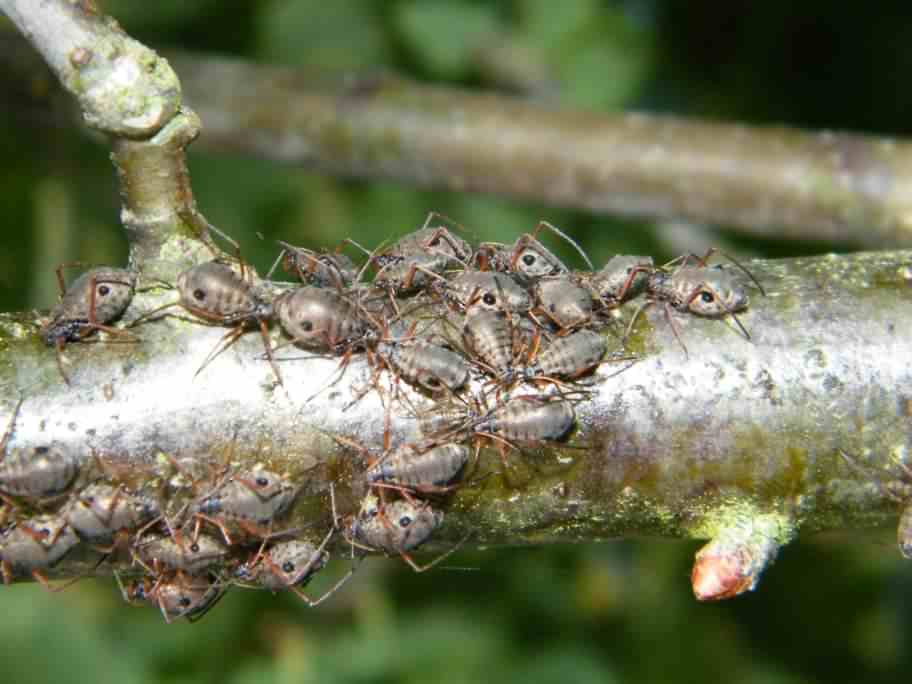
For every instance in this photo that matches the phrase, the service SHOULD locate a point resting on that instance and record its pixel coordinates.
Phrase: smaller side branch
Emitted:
(123, 87)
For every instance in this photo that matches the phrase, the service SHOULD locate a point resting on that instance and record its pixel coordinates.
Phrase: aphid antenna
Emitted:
(668, 317)
(203, 227)
(442, 234)
(573, 243)
(702, 262)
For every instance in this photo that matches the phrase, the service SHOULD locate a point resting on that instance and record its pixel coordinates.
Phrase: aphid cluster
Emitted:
(502, 337)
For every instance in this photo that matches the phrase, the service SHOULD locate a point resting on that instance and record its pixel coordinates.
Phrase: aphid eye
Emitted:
(184, 602)
(90, 499)
(706, 297)
(373, 512)
(262, 482)
(288, 566)
(199, 295)
(195, 548)
(103, 290)
(405, 521)
(307, 326)
(489, 299)
(42, 450)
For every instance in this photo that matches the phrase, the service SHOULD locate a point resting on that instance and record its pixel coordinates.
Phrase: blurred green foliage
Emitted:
(828, 611)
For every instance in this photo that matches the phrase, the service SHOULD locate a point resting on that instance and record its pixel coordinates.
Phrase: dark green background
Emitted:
(829, 610)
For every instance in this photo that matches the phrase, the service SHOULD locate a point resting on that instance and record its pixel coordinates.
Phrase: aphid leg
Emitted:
(42, 579)
(9, 428)
(636, 314)
(267, 345)
(423, 568)
(633, 272)
(674, 327)
(202, 517)
(226, 341)
(59, 345)
(7, 571)
(196, 220)
(573, 243)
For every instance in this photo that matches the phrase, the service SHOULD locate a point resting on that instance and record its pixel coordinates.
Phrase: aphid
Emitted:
(320, 319)
(484, 290)
(489, 335)
(563, 302)
(100, 511)
(171, 551)
(569, 357)
(621, 279)
(94, 300)
(528, 258)
(252, 500)
(396, 528)
(289, 566)
(327, 269)
(423, 468)
(216, 293)
(31, 546)
(707, 291)
(177, 595)
(430, 366)
(406, 266)
(36, 472)
(529, 419)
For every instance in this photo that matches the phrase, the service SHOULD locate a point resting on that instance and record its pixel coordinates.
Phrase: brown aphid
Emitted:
(289, 566)
(36, 472)
(320, 319)
(430, 366)
(485, 290)
(158, 552)
(621, 279)
(177, 595)
(94, 300)
(411, 263)
(396, 528)
(423, 468)
(529, 419)
(215, 292)
(251, 500)
(100, 511)
(324, 269)
(528, 258)
(569, 357)
(707, 291)
(489, 336)
(566, 304)
(285, 565)
(32, 546)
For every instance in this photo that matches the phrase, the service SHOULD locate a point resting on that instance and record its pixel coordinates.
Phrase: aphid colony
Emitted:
(501, 337)
(186, 551)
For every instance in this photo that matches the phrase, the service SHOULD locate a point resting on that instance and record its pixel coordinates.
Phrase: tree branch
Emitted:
(739, 442)
(748, 443)
(776, 182)
(764, 181)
